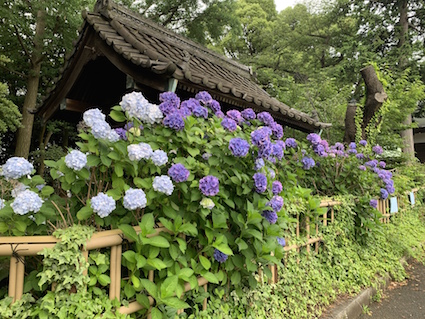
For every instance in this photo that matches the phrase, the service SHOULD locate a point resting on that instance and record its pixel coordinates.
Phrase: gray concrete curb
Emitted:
(353, 307)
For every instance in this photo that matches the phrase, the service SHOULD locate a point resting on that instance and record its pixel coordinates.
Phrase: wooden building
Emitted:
(119, 51)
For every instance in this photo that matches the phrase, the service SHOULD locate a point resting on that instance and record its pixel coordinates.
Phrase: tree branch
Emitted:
(13, 71)
(21, 42)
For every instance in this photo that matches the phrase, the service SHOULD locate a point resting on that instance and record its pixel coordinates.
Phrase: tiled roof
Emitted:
(148, 45)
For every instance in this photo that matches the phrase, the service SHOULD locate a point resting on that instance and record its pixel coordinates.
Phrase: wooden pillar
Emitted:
(316, 244)
(16, 277)
(115, 272)
(307, 227)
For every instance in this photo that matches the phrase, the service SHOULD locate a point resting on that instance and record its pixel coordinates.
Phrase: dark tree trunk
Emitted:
(350, 122)
(375, 96)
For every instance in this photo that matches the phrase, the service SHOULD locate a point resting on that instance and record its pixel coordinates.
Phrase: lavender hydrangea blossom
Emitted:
(178, 173)
(281, 241)
(248, 114)
(277, 130)
(314, 138)
(170, 97)
(261, 136)
(235, 115)
(362, 167)
(229, 124)
(25, 202)
(291, 142)
(266, 118)
(174, 121)
(260, 182)
(308, 162)
(163, 184)
(384, 193)
(360, 156)
(277, 187)
(76, 160)
(159, 157)
(259, 164)
(239, 147)
(204, 97)
(373, 203)
(363, 143)
(270, 216)
(16, 167)
(103, 205)
(377, 149)
(276, 203)
(200, 111)
(220, 256)
(134, 199)
(209, 185)
(277, 151)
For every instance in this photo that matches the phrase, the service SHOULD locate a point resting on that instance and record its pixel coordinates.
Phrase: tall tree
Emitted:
(35, 35)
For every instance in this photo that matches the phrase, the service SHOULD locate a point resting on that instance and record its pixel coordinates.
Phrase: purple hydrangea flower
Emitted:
(360, 156)
(339, 146)
(214, 106)
(373, 203)
(168, 107)
(266, 118)
(277, 151)
(184, 111)
(203, 96)
(200, 111)
(308, 162)
(235, 115)
(170, 97)
(219, 256)
(390, 189)
(314, 138)
(281, 144)
(229, 124)
(190, 104)
(377, 149)
(352, 151)
(261, 136)
(371, 164)
(384, 193)
(271, 216)
(276, 203)
(163, 184)
(362, 167)
(174, 121)
(219, 114)
(363, 143)
(25, 202)
(102, 205)
(352, 145)
(16, 167)
(291, 143)
(178, 173)
(248, 114)
(277, 131)
(122, 133)
(209, 185)
(382, 164)
(239, 147)
(281, 241)
(277, 187)
(265, 150)
(134, 199)
(319, 149)
(260, 182)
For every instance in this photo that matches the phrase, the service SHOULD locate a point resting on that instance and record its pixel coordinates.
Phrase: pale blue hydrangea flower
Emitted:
(26, 201)
(103, 205)
(100, 130)
(159, 157)
(136, 152)
(134, 103)
(163, 184)
(207, 203)
(16, 167)
(113, 136)
(19, 188)
(2, 203)
(134, 199)
(92, 116)
(154, 115)
(76, 160)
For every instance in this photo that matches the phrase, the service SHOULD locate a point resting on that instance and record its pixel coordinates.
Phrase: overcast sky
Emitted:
(282, 4)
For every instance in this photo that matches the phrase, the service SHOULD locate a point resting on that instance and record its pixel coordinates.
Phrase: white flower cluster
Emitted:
(159, 158)
(207, 203)
(137, 106)
(103, 205)
(1, 203)
(16, 167)
(163, 184)
(136, 152)
(95, 119)
(76, 160)
(134, 199)
(26, 201)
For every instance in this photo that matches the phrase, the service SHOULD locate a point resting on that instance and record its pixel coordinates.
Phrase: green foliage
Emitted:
(63, 268)
(309, 283)
(10, 117)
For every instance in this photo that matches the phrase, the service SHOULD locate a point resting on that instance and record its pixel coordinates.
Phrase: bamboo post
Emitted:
(298, 236)
(204, 304)
(12, 277)
(118, 273)
(332, 214)
(151, 278)
(325, 218)
(113, 272)
(316, 245)
(273, 271)
(20, 274)
(307, 227)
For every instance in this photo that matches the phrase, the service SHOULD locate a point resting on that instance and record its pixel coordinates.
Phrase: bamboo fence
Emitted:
(20, 247)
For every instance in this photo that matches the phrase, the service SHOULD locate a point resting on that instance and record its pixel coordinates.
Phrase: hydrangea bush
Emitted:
(220, 179)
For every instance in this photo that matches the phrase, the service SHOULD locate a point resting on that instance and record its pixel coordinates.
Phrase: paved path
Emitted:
(402, 300)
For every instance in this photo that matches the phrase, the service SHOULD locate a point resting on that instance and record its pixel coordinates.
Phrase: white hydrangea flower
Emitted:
(16, 167)
(76, 160)
(92, 116)
(100, 130)
(207, 203)
(103, 205)
(26, 201)
(154, 114)
(134, 198)
(163, 184)
(136, 152)
(159, 158)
